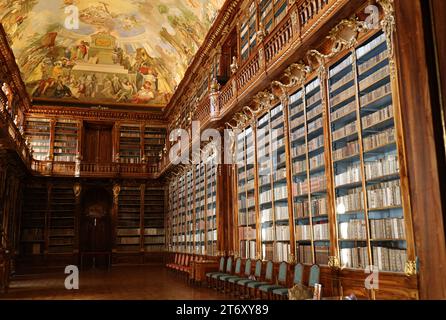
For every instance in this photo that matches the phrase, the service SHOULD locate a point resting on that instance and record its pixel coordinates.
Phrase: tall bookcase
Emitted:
(200, 219)
(247, 219)
(154, 230)
(34, 220)
(371, 227)
(309, 177)
(62, 219)
(189, 216)
(129, 219)
(130, 143)
(154, 142)
(65, 140)
(272, 12)
(211, 209)
(273, 193)
(39, 133)
(248, 31)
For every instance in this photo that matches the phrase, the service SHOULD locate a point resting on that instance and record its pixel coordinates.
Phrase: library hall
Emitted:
(223, 150)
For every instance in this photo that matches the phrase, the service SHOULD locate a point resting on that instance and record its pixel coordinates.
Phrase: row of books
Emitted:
(248, 249)
(375, 77)
(282, 233)
(282, 251)
(247, 218)
(154, 240)
(128, 240)
(355, 229)
(360, 52)
(320, 231)
(247, 233)
(352, 201)
(345, 131)
(315, 112)
(155, 248)
(376, 94)
(363, 67)
(154, 232)
(315, 125)
(303, 232)
(387, 229)
(380, 139)
(388, 165)
(356, 258)
(350, 149)
(268, 251)
(378, 116)
(65, 158)
(342, 96)
(341, 66)
(345, 110)
(298, 121)
(388, 259)
(344, 80)
(212, 235)
(280, 193)
(317, 183)
(318, 207)
(352, 174)
(128, 232)
(304, 254)
(313, 99)
(386, 194)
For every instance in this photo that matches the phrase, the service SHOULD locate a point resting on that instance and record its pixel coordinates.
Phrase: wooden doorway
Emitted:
(98, 143)
(95, 237)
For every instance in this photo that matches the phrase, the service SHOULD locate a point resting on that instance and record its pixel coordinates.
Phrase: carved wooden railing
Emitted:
(279, 40)
(301, 17)
(309, 9)
(86, 169)
(248, 71)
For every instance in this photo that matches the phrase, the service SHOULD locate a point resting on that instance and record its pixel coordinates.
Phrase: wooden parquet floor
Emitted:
(120, 283)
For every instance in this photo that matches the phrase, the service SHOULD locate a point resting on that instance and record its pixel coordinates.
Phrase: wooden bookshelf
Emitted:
(129, 220)
(247, 220)
(39, 133)
(66, 137)
(62, 219)
(34, 220)
(130, 143)
(211, 209)
(154, 231)
(199, 217)
(248, 31)
(154, 142)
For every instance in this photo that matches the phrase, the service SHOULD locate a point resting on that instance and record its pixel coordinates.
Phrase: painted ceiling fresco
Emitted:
(121, 51)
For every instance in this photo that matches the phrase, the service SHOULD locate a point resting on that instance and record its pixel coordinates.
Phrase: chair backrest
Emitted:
(183, 256)
(269, 271)
(248, 268)
(186, 261)
(314, 275)
(177, 258)
(229, 265)
(258, 271)
(298, 273)
(282, 272)
(238, 265)
(221, 268)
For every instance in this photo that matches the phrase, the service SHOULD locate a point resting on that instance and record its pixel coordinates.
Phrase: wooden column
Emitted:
(421, 148)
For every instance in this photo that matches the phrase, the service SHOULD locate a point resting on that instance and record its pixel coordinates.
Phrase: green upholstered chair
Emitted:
(314, 275)
(233, 281)
(221, 269)
(216, 276)
(225, 278)
(253, 286)
(281, 280)
(298, 275)
(244, 282)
